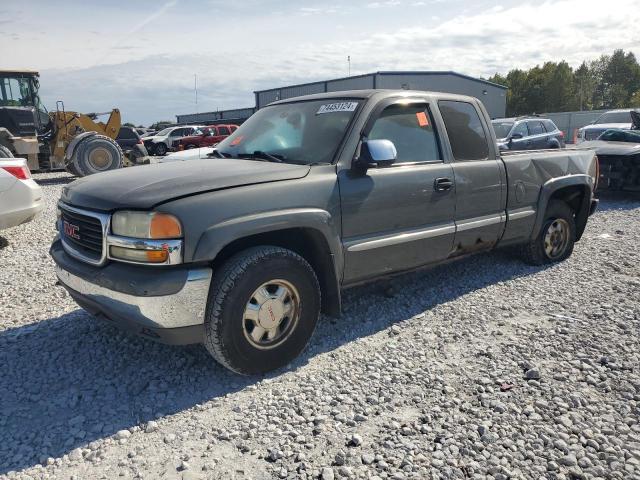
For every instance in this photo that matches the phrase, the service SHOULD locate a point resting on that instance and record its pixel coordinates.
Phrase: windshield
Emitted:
(614, 117)
(163, 133)
(502, 129)
(16, 92)
(301, 132)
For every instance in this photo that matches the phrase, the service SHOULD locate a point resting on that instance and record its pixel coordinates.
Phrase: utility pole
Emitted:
(195, 90)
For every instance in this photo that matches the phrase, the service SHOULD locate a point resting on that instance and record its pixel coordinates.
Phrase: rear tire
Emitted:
(262, 309)
(556, 239)
(190, 146)
(97, 154)
(5, 152)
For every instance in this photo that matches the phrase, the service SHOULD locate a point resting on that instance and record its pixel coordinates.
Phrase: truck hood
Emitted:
(607, 126)
(144, 187)
(154, 138)
(191, 138)
(612, 148)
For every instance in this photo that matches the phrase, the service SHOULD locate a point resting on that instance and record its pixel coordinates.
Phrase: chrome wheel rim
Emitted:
(556, 238)
(271, 314)
(100, 158)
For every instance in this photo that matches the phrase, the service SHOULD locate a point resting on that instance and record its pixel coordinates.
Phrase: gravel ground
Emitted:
(484, 368)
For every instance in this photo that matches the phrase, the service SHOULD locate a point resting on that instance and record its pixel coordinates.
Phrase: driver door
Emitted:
(398, 217)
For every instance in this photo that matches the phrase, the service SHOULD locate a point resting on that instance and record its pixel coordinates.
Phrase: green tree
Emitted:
(611, 81)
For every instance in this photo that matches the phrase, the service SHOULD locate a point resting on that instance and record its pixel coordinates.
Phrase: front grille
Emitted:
(83, 233)
(593, 133)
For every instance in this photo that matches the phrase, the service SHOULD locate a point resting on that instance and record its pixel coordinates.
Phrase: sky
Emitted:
(141, 56)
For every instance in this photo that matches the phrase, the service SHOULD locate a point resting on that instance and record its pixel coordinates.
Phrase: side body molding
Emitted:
(554, 185)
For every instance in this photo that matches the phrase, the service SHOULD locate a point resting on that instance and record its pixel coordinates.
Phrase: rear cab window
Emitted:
(466, 133)
(126, 133)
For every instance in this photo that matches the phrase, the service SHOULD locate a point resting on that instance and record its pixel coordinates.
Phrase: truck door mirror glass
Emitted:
(377, 153)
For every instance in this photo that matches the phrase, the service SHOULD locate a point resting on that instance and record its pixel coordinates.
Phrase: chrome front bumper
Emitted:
(153, 316)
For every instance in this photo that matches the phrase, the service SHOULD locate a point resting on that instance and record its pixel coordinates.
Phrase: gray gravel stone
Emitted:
(431, 377)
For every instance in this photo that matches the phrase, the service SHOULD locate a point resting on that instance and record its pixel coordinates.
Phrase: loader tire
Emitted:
(97, 154)
(71, 168)
(5, 152)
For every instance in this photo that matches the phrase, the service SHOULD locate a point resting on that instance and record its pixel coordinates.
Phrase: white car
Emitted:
(20, 197)
(191, 154)
(165, 140)
(613, 119)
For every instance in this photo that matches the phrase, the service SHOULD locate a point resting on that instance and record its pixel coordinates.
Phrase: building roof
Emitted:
(414, 72)
(18, 70)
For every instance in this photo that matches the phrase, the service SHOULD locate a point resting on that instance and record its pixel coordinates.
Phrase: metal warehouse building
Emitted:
(492, 95)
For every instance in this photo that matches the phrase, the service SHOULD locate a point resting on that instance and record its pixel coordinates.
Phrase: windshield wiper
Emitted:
(216, 153)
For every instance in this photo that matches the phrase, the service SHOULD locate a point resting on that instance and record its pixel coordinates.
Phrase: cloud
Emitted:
(139, 26)
(150, 88)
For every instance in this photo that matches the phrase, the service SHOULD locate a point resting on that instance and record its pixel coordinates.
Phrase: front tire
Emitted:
(160, 149)
(556, 239)
(262, 309)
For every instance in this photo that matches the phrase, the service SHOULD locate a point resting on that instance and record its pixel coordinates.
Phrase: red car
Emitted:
(206, 136)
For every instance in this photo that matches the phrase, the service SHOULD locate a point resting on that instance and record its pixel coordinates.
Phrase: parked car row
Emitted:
(185, 137)
(613, 119)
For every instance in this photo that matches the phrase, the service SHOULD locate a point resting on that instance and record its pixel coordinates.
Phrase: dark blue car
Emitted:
(527, 133)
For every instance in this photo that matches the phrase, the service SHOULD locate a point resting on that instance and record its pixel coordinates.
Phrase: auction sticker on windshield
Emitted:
(337, 107)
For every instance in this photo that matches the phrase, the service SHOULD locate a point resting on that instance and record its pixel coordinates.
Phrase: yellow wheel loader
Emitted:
(54, 140)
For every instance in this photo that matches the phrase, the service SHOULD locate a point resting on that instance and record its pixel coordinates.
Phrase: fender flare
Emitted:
(218, 236)
(554, 185)
(73, 144)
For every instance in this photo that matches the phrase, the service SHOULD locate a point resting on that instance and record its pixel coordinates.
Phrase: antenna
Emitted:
(195, 90)
(349, 64)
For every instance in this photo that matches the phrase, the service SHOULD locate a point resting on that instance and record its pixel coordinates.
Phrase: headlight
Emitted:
(151, 225)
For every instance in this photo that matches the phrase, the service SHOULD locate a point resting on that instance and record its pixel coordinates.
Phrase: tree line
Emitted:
(611, 81)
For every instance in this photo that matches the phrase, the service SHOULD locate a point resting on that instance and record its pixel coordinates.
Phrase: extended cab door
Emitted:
(480, 177)
(398, 217)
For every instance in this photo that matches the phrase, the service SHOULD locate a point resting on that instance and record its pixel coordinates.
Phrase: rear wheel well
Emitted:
(572, 196)
(577, 198)
(306, 242)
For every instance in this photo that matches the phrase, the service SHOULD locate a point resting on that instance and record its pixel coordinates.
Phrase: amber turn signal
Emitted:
(157, 256)
(164, 225)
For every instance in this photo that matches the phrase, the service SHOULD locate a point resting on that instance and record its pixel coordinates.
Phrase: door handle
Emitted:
(442, 184)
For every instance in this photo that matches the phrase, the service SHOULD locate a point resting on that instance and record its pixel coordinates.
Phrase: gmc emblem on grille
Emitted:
(70, 230)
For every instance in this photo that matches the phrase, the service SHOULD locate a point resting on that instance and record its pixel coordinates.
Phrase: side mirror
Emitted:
(376, 153)
(516, 136)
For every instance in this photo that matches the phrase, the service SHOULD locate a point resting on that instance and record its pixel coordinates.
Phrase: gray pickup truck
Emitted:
(241, 251)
